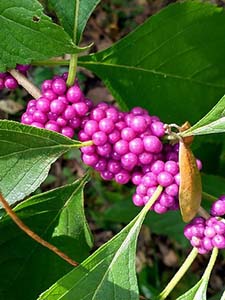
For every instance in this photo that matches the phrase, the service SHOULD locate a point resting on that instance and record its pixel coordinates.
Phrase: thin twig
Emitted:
(33, 235)
(203, 213)
(26, 83)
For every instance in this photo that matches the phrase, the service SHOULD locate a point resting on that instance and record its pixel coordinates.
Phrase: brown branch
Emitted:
(26, 83)
(33, 235)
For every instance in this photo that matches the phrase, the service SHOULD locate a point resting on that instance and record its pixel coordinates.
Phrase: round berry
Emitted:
(53, 126)
(59, 86)
(165, 179)
(57, 107)
(138, 124)
(152, 144)
(136, 146)
(128, 134)
(10, 83)
(122, 177)
(99, 138)
(121, 147)
(43, 104)
(138, 200)
(68, 131)
(74, 94)
(106, 125)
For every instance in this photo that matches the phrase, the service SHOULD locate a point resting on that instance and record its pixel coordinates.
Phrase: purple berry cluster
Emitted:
(207, 234)
(8, 81)
(128, 147)
(59, 109)
(123, 143)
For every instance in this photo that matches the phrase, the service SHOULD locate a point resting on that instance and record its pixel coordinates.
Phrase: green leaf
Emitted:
(26, 154)
(213, 122)
(109, 272)
(28, 34)
(27, 268)
(66, 11)
(199, 291)
(170, 225)
(223, 296)
(174, 61)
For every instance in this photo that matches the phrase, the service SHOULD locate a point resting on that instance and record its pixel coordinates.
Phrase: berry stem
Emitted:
(33, 235)
(26, 83)
(153, 198)
(210, 265)
(73, 59)
(180, 273)
(203, 213)
(72, 70)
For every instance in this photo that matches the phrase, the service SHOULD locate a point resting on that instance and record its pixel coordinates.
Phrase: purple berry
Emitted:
(136, 146)
(53, 126)
(49, 94)
(145, 158)
(101, 165)
(138, 200)
(136, 178)
(152, 144)
(129, 160)
(165, 179)
(40, 117)
(90, 159)
(157, 167)
(57, 107)
(97, 114)
(171, 167)
(61, 121)
(114, 166)
(59, 86)
(172, 190)
(81, 108)
(104, 150)
(128, 134)
(218, 241)
(107, 175)
(158, 129)
(112, 113)
(37, 124)
(121, 147)
(99, 138)
(68, 131)
(106, 125)
(26, 119)
(46, 85)
(218, 208)
(74, 94)
(122, 177)
(114, 136)
(43, 105)
(138, 124)
(91, 127)
(11, 83)
(69, 113)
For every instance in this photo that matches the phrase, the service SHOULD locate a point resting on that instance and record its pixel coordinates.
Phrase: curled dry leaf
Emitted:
(190, 191)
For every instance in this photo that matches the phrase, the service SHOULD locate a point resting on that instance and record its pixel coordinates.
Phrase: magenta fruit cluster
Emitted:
(60, 109)
(8, 81)
(207, 234)
(127, 146)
